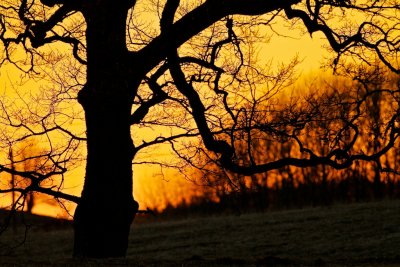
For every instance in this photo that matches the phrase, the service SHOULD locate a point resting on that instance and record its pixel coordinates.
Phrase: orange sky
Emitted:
(150, 189)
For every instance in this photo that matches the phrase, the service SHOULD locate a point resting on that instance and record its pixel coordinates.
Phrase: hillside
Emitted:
(365, 234)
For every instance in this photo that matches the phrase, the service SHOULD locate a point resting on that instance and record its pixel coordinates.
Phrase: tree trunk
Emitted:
(106, 210)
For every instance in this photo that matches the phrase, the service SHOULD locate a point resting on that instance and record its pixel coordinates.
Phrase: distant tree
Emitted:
(190, 71)
(26, 160)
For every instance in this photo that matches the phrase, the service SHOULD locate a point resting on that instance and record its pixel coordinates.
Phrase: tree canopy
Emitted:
(189, 68)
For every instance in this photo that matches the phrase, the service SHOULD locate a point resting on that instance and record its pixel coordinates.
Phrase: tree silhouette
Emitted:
(193, 65)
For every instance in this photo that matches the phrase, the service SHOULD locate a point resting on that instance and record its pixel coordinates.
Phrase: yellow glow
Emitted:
(151, 190)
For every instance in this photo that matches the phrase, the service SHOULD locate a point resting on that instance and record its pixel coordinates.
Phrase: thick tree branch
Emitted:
(198, 20)
(168, 14)
(47, 191)
(198, 109)
(340, 43)
(169, 139)
(144, 108)
(39, 29)
(57, 194)
(312, 26)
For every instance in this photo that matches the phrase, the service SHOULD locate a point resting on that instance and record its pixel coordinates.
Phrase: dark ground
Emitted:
(366, 234)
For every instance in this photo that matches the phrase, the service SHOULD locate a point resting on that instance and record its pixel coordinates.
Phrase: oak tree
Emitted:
(194, 64)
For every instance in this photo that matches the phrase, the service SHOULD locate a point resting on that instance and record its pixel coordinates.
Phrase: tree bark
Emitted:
(106, 210)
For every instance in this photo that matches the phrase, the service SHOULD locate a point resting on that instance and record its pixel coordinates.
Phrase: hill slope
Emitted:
(344, 235)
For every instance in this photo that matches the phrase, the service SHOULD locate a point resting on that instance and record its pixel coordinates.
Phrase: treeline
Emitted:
(350, 186)
(351, 116)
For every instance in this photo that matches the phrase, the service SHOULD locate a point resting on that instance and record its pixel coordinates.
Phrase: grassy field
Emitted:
(365, 234)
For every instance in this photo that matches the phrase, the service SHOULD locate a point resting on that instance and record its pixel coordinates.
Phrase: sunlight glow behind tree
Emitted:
(191, 74)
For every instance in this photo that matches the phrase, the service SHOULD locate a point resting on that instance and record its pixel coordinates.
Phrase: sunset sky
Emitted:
(150, 188)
